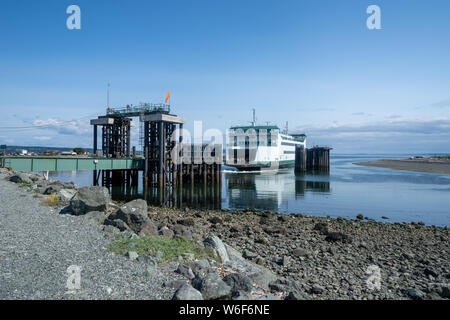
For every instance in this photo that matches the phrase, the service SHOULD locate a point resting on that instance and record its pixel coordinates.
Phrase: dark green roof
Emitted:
(255, 127)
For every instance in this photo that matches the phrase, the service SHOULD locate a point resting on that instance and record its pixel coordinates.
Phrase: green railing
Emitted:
(37, 164)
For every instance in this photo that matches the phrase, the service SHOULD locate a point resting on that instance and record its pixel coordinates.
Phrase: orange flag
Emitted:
(168, 96)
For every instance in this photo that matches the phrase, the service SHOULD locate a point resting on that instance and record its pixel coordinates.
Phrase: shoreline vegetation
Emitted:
(434, 164)
(239, 255)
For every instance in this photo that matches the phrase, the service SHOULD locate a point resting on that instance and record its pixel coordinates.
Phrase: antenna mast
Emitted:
(107, 96)
(254, 117)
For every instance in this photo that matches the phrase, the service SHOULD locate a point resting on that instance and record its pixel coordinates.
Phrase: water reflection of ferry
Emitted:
(270, 191)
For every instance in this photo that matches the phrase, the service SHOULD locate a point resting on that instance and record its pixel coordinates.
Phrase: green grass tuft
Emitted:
(24, 184)
(170, 248)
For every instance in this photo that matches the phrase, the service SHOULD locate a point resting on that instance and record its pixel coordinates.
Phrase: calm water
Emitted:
(347, 191)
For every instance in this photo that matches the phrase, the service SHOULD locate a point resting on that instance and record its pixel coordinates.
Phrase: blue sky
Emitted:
(312, 63)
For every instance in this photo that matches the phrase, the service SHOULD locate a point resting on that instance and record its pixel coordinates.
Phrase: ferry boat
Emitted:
(259, 147)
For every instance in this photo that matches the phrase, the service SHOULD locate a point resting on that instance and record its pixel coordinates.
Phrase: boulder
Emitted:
(21, 177)
(181, 231)
(187, 292)
(200, 268)
(249, 254)
(66, 194)
(36, 177)
(88, 199)
(284, 285)
(57, 186)
(150, 261)
(149, 229)
(166, 232)
(134, 215)
(415, 294)
(259, 275)
(238, 282)
(186, 271)
(117, 223)
(216, 245)
(111, 229)
(213, 287)
(95, 217)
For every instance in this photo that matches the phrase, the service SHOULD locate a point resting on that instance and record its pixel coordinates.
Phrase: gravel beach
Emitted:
(261, 255)
(38, 244)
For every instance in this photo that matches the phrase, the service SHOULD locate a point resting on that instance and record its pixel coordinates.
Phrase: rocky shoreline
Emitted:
(262, 255)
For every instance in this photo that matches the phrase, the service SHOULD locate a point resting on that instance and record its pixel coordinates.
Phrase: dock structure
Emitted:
(165, 164)
(312, 159)
(201, 163)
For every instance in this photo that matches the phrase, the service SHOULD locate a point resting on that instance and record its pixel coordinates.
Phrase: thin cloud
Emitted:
(72, 127)
(385, 128)
(42, 138)
(441, 104)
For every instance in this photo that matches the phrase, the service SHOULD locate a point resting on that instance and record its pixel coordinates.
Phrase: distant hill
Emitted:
(38, 150)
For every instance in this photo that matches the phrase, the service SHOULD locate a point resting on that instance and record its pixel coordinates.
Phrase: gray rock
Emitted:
(119, 224)
(111, 229)
(21, 177)
(186, 292)
(213, 287)
(216, 245)
(189, 256)
(295, 295)
(151, 262)
(317, 289)
(430, 272)
(166, 232)
(132, 255)
(186, 271)
(95, 217)
(181, 231)
(260, 275)
(408, 255)
(200, 268)
(134, 214)
(175, 284)
(416, 294)
(66, 194)
(149, 229)
(299, 252)
(57, 186)
(239, 282)
(158, 255)
(445, 291)
(268, 297)
(338, 236)
(284, 285)
(88, 199)
(240, 295)
(249, 254)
